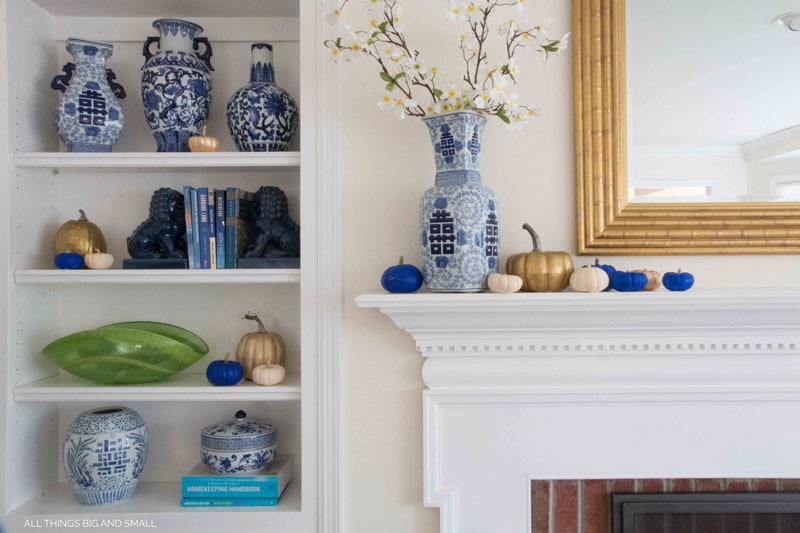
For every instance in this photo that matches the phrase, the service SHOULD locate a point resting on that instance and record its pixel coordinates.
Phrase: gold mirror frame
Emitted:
(607, 223)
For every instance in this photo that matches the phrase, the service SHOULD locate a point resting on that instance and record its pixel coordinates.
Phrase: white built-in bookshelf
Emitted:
(43, 186)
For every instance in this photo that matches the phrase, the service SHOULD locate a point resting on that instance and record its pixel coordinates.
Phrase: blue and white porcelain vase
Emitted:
(176, 84)
(459, 224)
(262, 117)
(104, 453)
(89, 116)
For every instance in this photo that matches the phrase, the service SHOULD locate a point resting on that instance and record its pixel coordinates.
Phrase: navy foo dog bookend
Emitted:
(160, 241)
(276, 237)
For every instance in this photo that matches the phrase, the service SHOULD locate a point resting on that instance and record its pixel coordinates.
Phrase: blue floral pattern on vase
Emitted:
(459, 224)
(89, 116)
(262, 117)
(104, 454)
(176, 84)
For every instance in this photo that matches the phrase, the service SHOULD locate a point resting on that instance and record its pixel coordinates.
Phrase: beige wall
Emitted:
(386, 165)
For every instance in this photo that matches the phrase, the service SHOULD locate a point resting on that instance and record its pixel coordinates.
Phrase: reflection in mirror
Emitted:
(712, 101)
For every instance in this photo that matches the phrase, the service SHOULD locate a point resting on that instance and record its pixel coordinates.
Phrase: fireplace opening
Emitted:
(753, 512)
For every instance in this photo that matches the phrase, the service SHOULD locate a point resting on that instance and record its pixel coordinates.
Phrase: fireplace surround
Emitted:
(565, 386)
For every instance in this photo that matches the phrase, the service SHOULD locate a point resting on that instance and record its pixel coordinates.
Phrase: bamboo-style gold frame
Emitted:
(607, 223)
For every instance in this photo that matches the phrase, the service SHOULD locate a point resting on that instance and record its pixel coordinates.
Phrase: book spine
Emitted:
(187, 209)
(195, 229)
(213, 488)
(212, 230)
(202, 208)
(219, 200)
(241, 502)
(230, 227)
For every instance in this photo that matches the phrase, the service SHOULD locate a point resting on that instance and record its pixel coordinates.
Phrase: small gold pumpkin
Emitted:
(259, 348)
(653, 279)
(203, 143)
(79, 236)
(540, 271)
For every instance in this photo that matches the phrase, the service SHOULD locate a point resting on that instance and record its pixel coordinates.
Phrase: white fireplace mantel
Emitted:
(704, 383)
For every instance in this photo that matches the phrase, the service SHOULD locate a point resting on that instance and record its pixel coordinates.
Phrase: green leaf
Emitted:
(438, 92)
(501, 113)
(385, 76)
(382, 26)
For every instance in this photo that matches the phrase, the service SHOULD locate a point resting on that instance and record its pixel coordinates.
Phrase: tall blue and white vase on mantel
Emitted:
(262, 117)
(459, 222)
(89, 116)
(176, 83)
(104, 453)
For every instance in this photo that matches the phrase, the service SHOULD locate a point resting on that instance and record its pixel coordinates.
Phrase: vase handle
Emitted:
(205, 57)
(61, 82)
(116, 88)
(146, 49)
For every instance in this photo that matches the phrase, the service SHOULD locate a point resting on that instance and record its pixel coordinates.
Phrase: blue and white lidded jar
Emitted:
(89, 116)
(459, 224)
(238, 446)
(104, 454)
(262, 117)
(176, 84)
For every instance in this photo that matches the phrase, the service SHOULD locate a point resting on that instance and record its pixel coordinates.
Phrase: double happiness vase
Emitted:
(176, 84)
(89, 116)
(262, 117)
(459, 224)
(104, 454)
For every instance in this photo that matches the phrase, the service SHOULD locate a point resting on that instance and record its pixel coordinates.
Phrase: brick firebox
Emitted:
(573, 506)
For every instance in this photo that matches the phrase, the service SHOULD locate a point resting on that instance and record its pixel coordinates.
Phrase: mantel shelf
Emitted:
(147, 277)
(702, 341)
(180, 387)
(149, 161)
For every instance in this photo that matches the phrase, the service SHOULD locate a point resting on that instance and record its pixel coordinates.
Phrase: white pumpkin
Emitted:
(504, 283)
(268, 374)
(589, 279)
(98, 260)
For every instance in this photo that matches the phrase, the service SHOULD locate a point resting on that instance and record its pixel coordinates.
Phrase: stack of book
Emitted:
(217, 225)
(203, 488)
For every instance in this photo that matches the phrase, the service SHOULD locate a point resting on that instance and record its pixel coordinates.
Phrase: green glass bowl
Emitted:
(127, 352)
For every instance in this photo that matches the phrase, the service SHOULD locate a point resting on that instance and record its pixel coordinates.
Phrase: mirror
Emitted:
(677, 151)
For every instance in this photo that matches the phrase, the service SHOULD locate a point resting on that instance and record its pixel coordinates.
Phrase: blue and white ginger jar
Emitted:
(89, 116)
(104, 454)
(239, 446)
(262, 117)
(459, 224)
(176, 84)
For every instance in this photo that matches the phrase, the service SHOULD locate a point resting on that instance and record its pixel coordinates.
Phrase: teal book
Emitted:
(201, 483)
(238, 222)
(236, 502)
(187, 209)
(219, 201)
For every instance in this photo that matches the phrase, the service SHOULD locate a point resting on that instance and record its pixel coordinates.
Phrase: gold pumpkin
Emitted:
(653, 279)
(203, 143)
(259, 348)
(79, 236)
(540, 271)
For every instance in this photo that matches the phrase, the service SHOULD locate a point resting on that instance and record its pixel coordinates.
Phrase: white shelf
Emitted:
(149, 161)
(180, 387)
(147, 277)
(154, 502)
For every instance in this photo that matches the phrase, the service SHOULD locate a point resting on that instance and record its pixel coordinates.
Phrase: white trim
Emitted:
(131, 161)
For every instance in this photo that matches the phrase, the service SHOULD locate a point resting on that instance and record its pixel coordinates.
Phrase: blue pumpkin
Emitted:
(678, 281)
(68, 261)
(628, 281)
(224, 372)
(401, 278)
(608, 269)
